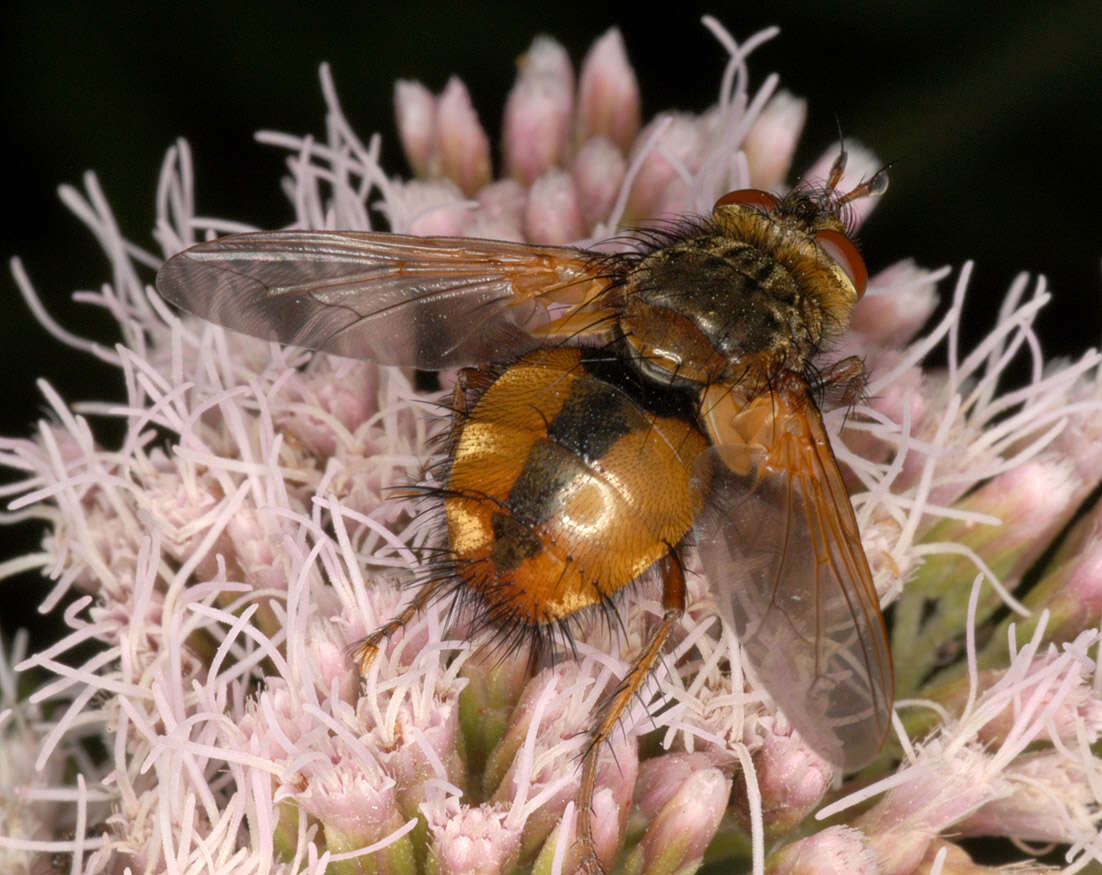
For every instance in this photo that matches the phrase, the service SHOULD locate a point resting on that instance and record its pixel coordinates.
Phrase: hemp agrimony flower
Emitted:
(243, 533)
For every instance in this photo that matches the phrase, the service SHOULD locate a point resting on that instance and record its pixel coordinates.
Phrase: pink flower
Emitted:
(243, 533)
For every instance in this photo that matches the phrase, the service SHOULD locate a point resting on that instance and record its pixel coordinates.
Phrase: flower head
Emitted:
(244, 533)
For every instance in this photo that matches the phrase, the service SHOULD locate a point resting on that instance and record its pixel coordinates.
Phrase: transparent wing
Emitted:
(780, 544)
(426, 302)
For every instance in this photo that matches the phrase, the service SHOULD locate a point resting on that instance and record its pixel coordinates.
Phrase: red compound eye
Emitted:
(751, 197)
(839, 247)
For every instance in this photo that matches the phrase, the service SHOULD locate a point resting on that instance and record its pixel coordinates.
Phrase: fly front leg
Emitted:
(844, 383)
(673, 600)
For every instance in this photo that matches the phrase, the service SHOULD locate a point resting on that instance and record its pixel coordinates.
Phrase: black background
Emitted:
(992, 118)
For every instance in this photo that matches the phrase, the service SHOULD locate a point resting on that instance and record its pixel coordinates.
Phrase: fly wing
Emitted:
(426, 302)
(780, 543)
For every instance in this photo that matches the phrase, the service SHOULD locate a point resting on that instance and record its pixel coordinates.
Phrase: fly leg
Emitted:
(467, 380)
(673, 600)
(365, 650)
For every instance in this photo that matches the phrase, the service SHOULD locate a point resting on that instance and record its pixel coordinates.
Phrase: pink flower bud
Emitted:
(680, 833)
(899, 301)
(608, 93)
(792, 779)
(660, 778)
(598, 170)
(680, 146)
(772, 141)
(1072, 588)
(554, 711)
(462, 143)
(426, 741)
(553, 214)
(471, 839)
(1050, 803)
(538, 111)
(501, 212)
(415, 112)
(836, 850)
(1033, 500)
(429, 208)
(941, 792)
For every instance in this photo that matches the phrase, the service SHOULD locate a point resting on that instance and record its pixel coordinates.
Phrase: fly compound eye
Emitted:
(840, 248)
(750, 197)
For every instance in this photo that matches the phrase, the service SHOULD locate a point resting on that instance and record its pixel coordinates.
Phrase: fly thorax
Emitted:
(710, 308)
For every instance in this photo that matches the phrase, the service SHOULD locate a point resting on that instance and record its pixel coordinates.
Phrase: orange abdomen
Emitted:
(569, 479)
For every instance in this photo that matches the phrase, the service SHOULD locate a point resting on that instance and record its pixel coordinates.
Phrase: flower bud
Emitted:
(538, 112)
(463, 145)
(772, 140)
(608, 94)
(415, 113)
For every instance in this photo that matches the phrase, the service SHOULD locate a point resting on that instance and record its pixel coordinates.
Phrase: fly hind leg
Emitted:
(673, 600)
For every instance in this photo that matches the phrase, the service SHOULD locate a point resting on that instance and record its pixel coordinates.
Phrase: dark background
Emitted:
(993, 121)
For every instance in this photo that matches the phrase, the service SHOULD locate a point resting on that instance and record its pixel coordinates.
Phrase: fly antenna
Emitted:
(839, 166)
(874, 186)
